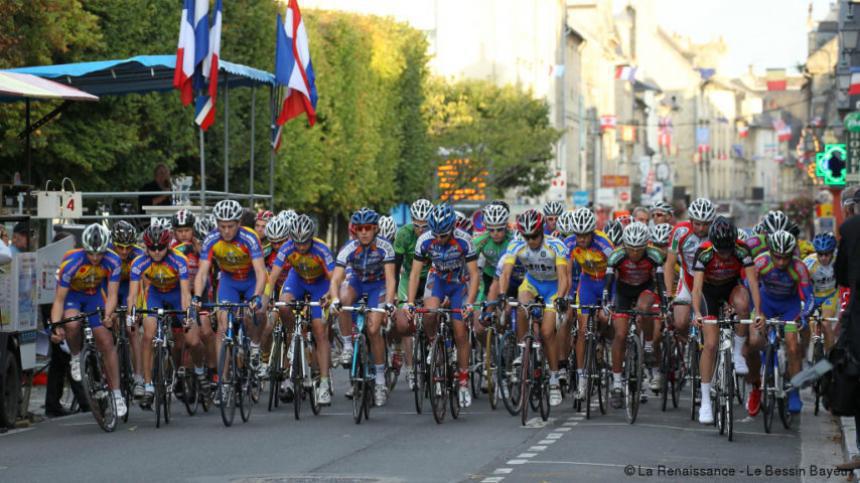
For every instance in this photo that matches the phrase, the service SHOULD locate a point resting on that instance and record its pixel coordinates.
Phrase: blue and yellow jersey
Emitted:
(823, 276)
(317, 262)
(165, 275)
(136, 251)
(234, 257)
(592, 260)
(78, 274)
(540, 263)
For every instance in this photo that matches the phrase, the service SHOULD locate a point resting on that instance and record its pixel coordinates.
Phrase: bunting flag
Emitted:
(776, 80)
(706, 73)
(664, 133)
(608, 121)
(743, 131)
(783, 130)
(625, 72)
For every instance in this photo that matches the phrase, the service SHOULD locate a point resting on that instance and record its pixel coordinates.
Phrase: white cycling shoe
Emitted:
(75, 364)
(465, 397)
(121, 408)
(706, 414)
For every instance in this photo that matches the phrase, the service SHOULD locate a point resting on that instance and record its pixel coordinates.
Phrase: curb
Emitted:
(849, 440)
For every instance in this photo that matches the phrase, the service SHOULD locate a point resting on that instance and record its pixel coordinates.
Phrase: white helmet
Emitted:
(288, 214)
(661, 205)
(420, 209)
(660, 233)
(636, 235)
(702, 210)
(496, 215)
(387, 227)
(742, 235)
(553, 208)
(277, 229)
(565, 222)
(227, 210)
(775, 221)
(302, 229)
(584, 221)
(782, 243)
(95, 238)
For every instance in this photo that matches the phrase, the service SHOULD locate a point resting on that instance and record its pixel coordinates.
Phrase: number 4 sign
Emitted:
(58, 204)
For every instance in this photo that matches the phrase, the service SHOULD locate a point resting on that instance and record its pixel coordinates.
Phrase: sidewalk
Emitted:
(849, 442)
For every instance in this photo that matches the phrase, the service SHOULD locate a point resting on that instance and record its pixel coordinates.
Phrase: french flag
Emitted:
(293, 68)
(625, 72)
(206, 113)
(185, 55)
(854, 86)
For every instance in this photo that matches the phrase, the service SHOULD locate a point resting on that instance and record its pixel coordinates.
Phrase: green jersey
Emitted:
(490, 252)
(404, 245)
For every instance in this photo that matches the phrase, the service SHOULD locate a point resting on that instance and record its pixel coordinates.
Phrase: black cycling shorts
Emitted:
(713, 297)
(626, 296)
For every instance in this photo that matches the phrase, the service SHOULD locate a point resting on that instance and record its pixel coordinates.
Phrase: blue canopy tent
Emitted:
(154, 73)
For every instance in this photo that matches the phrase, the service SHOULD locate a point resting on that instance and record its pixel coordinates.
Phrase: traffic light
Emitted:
(830, 164)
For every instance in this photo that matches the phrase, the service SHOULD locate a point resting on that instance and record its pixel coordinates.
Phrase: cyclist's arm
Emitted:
(698, 282)
(659, 280)
(505, 277)
(110, 304)
(202, 276)
(337, 277)
(398, 264)
(610, 282)
(414, 280)
(563, 279)
(474, 281)
(390, 283)
(669, 269)
(260, 270)
(133, 292)
(185, 293)
(270, 283)
(59, 300)
(755, 292)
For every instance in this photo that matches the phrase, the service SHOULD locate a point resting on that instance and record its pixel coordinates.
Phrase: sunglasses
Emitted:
(781, 257)
(157, 248)
(497, 230)
(359, 228)
(439, 236)
(532, 237)
(120, 245)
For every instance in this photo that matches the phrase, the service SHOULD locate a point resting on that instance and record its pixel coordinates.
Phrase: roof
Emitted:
(15, 86)
(142, 73)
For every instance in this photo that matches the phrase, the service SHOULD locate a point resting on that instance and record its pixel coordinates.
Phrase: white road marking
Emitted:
(503, 471)
(537, 448)
(517, 462)
(527, 455)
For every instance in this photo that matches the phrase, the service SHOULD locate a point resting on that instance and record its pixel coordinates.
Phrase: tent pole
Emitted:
(226, 137)
(29, 159)
(202, 171)
(272, 152)
(253, 123)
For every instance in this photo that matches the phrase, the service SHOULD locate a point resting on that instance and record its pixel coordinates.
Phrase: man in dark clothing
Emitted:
(161, 182)
(847, 267)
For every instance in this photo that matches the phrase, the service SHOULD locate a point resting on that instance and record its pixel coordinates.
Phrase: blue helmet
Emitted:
(364, 216)
(442, 219)
(824, 242)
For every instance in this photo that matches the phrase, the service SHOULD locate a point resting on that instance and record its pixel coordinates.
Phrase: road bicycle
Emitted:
(361, 374)
(163, 371)
(633, 370)
(123, 354)
(305, 379)
(816, 320)
(672, 363)
(443, 381)
(534, 368)
(774, 380)
(596, 367)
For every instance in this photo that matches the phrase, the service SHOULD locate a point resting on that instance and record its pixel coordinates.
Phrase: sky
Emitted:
(764, 33)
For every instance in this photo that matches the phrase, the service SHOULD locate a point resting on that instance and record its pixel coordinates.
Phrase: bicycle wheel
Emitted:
(605, 375)
(721, 380)
(245, 386)
(679, 372)
(312, 394)
(227, 382)
(525, 380)
(543, 394)
(592, 376)
(419, 364)
(169, 380)
(358, 373)
(438, 378)
(69, 401)
(297, 375)
(476, 366)
(782, 403)
(158, 383)
(768, 401)
(192, 391)
(126, 377)
(454, 389)
(489, 372)
(505, 374)
(99, 395)
(633, 369)
(693, 370)
(275, 371)
(729, 398)
(666, 369)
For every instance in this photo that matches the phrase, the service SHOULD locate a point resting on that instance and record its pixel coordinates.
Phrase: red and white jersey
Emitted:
(685, 243)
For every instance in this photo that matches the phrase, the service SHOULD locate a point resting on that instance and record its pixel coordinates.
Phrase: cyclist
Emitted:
(404, 251)
(718, 268)
(162, 275)
(613, 230)
(660, 234)
(545, 260)
(786, 293)
(262, 219)
(634, 275)
(590, 252)
(124, 244)
(551, 211)
(277, 232)
(565, 226)
(387, 228)
(772, 222)
(88, 280)
(823, 275)
(185, 243)
(370, 260)
(685, 240)
(453, 275)
(661, 212)
(239, 255)
(310, 264)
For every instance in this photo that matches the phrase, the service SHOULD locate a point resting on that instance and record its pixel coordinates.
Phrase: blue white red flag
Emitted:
(293, 67)
(184, 71)
(206, 113)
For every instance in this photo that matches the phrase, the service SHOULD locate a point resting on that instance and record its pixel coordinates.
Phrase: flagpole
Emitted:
(272, 151)
(253, 123)
(202, 171)
(226, 137)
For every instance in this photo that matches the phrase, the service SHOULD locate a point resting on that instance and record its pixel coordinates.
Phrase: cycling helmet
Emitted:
(442, 219)
(701, 209)
(636, 235)
(163, 222)
(364, 216)
(277, 229)
(463, 222)
(95, 238)
(759, 229)
(302, 229)
(722, 233)
(387, 227)
(227, 210)
(660, 234)
(265, 215)
(553, 208)
(613, 230)
(661, 205)
(496, 215)
(421, 209)
(287, 214)
(204, 225)
(775, 221)
(123, 233)
(564, 224)
(504, 204)
(183, 218)
(793, 229)
(156, 236)
(782, 243)
(530, 223)
(742, 235)
(824, 243)
(583, 221)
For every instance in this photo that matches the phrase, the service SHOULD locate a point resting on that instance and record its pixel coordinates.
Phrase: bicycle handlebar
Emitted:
(363, 308)
(297, 304)
(75, 318)
(439, 310)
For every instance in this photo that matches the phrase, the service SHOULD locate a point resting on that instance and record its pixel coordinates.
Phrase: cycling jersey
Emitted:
(718, 270)
(783, 290)
(317, 263)
(163, 276)
(404, 246)
(125, 271)
(191, 257)
(490, 252)
(448, 260)
(575, 270)
(628, 273)
(540, 263)
(234, 257)
(823, 276)
(685, 243)
(367, 262)
(591, 261)
(79, 275)
(756, 244)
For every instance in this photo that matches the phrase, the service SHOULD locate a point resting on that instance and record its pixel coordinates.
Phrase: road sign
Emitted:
(580, 198)
(614, 181)
(830, 164)
(624, 194)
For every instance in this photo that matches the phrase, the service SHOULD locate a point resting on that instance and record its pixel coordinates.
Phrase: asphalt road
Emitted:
(398, 445)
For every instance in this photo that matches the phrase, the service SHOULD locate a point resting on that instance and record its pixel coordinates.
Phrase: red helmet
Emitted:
(530, 222)
(156, 235)
(265, 215)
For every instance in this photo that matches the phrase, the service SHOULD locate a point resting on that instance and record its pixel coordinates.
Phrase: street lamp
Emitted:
(850, 33)
(843, 80)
